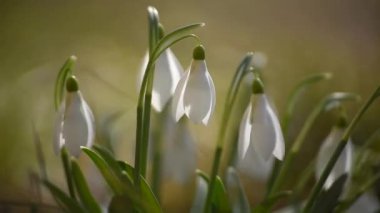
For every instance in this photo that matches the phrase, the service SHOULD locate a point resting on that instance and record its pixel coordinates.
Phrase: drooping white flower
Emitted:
(167, 73)
(236, 194)
(343, 164)
(195, 92)
(200, 195)
(179, 157)
(74, 126)
(260, 136)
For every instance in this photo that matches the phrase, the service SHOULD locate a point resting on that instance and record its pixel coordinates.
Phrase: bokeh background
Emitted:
(110, 38)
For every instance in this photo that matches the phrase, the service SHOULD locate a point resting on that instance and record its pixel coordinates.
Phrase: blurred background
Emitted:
(110, 38)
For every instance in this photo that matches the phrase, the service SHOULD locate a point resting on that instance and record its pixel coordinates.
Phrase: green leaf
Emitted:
(114, 165)
(82, 189)
(148, 200)
(220, 201)
(173, 37)
(69, 204)
(65, 72)
(111, 178)
(328, 200)
(238, 199)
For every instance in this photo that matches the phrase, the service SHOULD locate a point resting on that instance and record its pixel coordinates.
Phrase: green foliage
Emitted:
(60, 82)
(69, 204)
(84, 192)
(328, 199)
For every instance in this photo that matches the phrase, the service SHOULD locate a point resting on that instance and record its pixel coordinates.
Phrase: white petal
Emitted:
(200, 196)
(254, 165)
(344, 162)
(90, 120)
(179, 153)
(367, 203)
(199, 96)
(177, 104)
(236, 194)
(59, 141)
(245, 133)
(77, 130)
(213, 99)
(167, 74)
(279, 149)
(266, 134)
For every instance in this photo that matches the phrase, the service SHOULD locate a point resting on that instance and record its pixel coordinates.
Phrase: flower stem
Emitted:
(160, 123)
(231, 96)
(144, 102)
(67, 169)
(318, 187)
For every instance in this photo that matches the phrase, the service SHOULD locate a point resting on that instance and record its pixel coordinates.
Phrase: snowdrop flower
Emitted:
(343, 164)
(167, 73)
(236, 194)
(195, 92)
(179, 157)
(200, 195)
(260, 136)
(74, 125)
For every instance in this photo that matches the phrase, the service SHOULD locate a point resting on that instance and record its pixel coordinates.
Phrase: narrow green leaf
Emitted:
(113, 164)
(69, 204)
(112, 180)
(173, 37)
(82, 188)
(65, 71)
(220, 200)
(148, 200)
(328, 200)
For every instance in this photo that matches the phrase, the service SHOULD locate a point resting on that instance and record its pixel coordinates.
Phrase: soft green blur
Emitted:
(110, 38)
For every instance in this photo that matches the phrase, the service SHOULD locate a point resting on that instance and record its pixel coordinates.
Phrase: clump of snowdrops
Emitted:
(175, 97)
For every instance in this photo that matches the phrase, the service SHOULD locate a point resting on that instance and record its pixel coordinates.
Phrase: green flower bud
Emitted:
(72, 84)
(199, 53)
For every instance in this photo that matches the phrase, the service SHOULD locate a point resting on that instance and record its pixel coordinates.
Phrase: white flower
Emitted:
(236, 194)
(166, 76)
(260, 136)
(179, 157)
(195, 92)
(74, 125)
(343, 164)
(200, 195)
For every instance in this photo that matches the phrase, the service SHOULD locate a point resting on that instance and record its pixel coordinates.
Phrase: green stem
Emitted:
(142, 110)
(318, 187)
(161, 122)
(231, 97)
(67, 169)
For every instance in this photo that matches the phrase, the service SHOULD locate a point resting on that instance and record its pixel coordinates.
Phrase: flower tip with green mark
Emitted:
(199, 53)
(72, 84)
